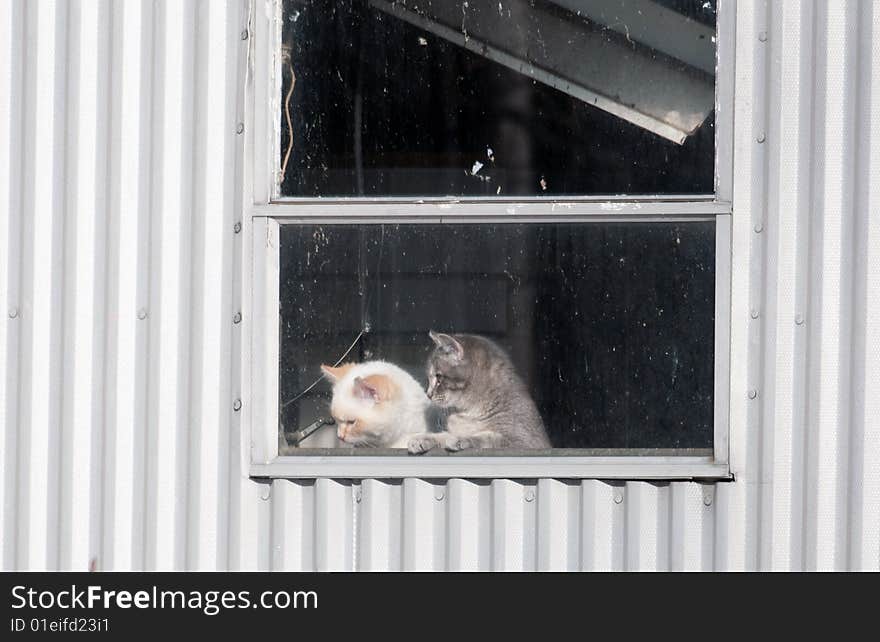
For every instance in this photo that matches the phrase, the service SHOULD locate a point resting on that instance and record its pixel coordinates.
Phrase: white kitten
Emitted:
(376, 404)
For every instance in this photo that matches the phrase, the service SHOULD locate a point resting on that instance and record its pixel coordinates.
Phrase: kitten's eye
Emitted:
(438, 377)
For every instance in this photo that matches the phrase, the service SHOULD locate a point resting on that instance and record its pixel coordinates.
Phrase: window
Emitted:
(548, 176)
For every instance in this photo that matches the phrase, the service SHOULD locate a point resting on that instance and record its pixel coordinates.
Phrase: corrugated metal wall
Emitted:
(120, 275)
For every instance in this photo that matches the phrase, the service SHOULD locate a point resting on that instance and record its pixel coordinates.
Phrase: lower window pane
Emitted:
(609, 325)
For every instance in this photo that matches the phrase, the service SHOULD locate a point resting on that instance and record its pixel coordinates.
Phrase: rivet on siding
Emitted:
(618, 497)
(759, 228)
(142, 314)
(439, 495)
(237, 227)
(236, 405)
(753, 394)
(13, 312)
(358, 495)
(237, 318)
(799, 319)
(754, 313)
(762, 36)
(266, 493)
(707, 496)
(239, 129)
(761, 138)
(530, 495)
(244, 34)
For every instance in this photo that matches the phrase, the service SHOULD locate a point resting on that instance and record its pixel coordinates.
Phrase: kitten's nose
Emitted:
(430, 392)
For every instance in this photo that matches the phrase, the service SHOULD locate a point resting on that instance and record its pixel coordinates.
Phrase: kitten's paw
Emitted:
(458, 443)
(419, 445)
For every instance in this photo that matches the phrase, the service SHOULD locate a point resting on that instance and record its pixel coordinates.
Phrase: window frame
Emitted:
(264, 211)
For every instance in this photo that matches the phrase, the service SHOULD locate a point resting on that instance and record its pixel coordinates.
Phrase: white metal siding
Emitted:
(120, 275)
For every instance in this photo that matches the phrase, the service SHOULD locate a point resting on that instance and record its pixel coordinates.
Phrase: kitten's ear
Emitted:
(334, 374)
(447, 343)
(374, 388)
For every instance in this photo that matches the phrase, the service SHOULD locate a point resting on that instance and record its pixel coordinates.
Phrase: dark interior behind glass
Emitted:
(610, 324)
(446, 97)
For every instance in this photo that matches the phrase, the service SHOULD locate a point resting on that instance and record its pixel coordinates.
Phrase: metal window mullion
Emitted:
(382, 210)
(264, 342)
(721, 394)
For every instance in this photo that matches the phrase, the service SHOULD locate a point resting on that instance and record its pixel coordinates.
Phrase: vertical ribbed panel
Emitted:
(379, 532)
(120, 275)
(84, 225)
(865, 437)
(788, 195)
(127, 119)
(11, 97)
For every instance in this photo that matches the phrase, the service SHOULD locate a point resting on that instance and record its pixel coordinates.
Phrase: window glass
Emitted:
(502, 99)
(610, 325)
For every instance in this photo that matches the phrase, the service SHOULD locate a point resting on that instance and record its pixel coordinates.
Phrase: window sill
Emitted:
(561, 464)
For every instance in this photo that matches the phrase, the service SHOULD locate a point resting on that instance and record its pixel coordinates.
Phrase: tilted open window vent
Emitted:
(641, 61)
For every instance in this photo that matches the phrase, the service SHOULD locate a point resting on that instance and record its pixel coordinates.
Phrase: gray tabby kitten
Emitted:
(487, 404)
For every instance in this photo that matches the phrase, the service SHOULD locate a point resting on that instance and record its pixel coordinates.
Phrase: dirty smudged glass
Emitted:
(611, 325)
(497, 98)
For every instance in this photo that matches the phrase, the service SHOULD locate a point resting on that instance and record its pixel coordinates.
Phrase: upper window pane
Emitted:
(509, 98)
